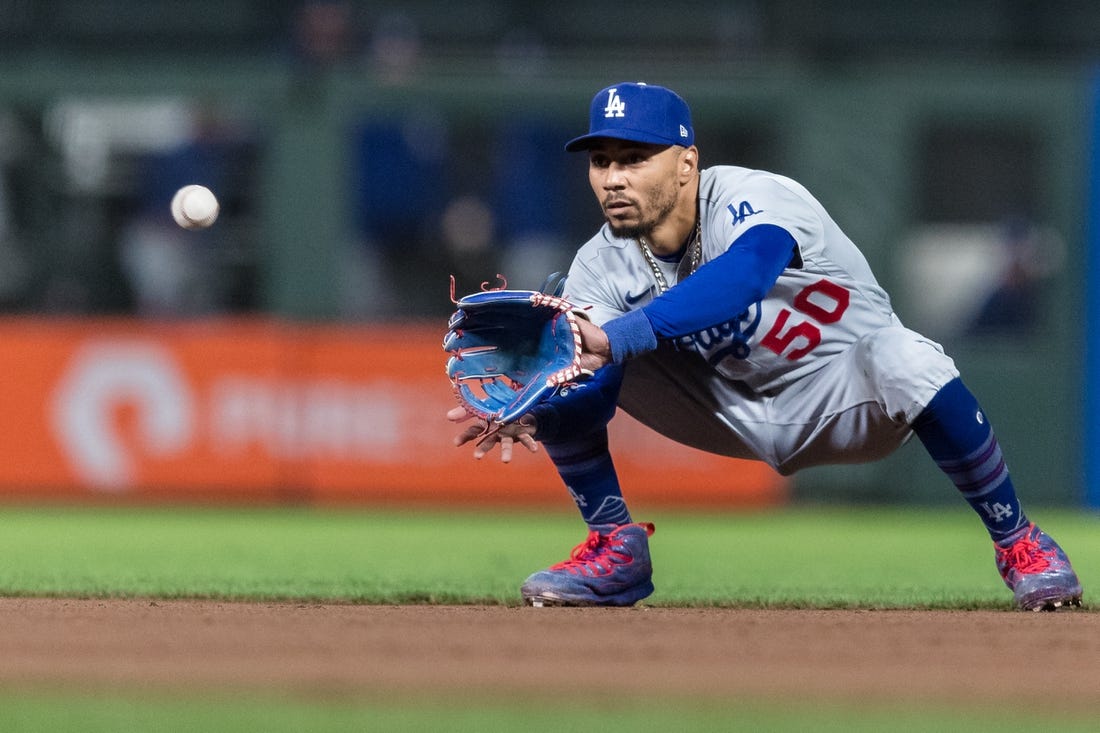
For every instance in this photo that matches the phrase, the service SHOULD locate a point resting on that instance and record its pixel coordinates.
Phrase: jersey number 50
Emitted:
(830, 304)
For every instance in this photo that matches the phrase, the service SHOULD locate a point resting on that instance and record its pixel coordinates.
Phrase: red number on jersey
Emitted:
(830, 305)
(772, 340)
(836, 296)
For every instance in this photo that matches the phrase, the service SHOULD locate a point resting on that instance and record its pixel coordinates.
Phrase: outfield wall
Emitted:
(260, 410)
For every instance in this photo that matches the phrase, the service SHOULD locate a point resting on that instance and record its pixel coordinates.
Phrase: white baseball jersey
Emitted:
(819, 371)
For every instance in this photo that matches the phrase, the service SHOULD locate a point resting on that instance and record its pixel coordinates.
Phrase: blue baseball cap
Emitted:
(638, 112)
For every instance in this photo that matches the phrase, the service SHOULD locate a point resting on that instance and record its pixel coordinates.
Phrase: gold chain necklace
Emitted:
(692, 258)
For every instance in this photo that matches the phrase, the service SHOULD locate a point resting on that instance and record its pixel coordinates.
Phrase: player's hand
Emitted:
(522, 431)
(596, 347)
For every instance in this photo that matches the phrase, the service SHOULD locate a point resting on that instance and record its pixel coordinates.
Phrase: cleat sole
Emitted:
(1050, 606)
(544, 602)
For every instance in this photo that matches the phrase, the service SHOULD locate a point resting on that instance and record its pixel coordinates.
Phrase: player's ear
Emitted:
(689, 160)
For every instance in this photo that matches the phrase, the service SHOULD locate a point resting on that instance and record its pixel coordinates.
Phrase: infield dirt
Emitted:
(1049, 660)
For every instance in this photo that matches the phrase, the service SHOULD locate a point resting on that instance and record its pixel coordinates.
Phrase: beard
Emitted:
(660, 203)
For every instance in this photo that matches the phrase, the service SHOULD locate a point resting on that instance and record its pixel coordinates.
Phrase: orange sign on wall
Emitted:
(258, 410)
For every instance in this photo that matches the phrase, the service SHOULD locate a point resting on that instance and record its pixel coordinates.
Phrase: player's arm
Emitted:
(716, 293)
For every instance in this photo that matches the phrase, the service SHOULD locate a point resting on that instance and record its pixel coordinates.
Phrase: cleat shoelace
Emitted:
(595, 555)
(1025, 555)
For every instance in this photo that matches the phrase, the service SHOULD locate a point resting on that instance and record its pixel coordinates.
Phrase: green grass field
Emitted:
(808, 557)
(35, 713)
(901, 557)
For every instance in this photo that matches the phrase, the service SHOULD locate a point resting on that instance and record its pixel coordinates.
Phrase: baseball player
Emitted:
(728, 311)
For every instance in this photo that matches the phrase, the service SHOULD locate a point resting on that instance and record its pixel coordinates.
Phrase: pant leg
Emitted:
(680, 396)
(859, 407)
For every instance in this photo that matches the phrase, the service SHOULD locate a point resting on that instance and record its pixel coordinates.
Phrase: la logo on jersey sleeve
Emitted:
(742, 211)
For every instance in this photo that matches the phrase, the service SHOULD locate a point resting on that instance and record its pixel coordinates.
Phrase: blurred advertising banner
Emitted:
(268, 411)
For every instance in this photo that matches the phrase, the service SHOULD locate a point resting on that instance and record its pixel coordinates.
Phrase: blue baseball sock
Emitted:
(960, 440)
(585, 466)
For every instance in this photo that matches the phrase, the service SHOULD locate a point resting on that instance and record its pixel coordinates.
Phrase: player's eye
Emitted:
(599, 161)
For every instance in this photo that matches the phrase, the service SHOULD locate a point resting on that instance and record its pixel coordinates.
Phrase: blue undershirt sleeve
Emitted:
(716, 293)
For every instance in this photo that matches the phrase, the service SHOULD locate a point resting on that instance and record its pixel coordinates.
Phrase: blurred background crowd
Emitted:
(365, 151)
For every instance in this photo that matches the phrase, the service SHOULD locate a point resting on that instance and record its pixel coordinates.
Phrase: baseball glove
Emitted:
(509, 350)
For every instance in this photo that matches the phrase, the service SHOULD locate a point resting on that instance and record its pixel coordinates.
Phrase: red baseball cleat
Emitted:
(1037, 570)
(610, 568)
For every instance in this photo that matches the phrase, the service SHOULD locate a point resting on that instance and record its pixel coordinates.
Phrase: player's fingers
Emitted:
(458, 414)
(485, 446)
(470, 433)
(505, 449)
(591, 363)
(528, 442)
(594, 339)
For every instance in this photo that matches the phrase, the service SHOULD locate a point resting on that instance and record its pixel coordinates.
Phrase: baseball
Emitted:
(194, 207)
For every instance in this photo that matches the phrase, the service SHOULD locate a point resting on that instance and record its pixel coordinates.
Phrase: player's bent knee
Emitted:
(906, 369)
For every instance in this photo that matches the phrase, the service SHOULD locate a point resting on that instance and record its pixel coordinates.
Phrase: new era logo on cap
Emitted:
(638, 112)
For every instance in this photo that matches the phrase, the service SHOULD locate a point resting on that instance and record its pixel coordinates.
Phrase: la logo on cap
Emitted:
(616, 107)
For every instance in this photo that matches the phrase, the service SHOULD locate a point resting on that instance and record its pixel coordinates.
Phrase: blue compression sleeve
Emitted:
(581, 409)
(717, 293)
(629, 335)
